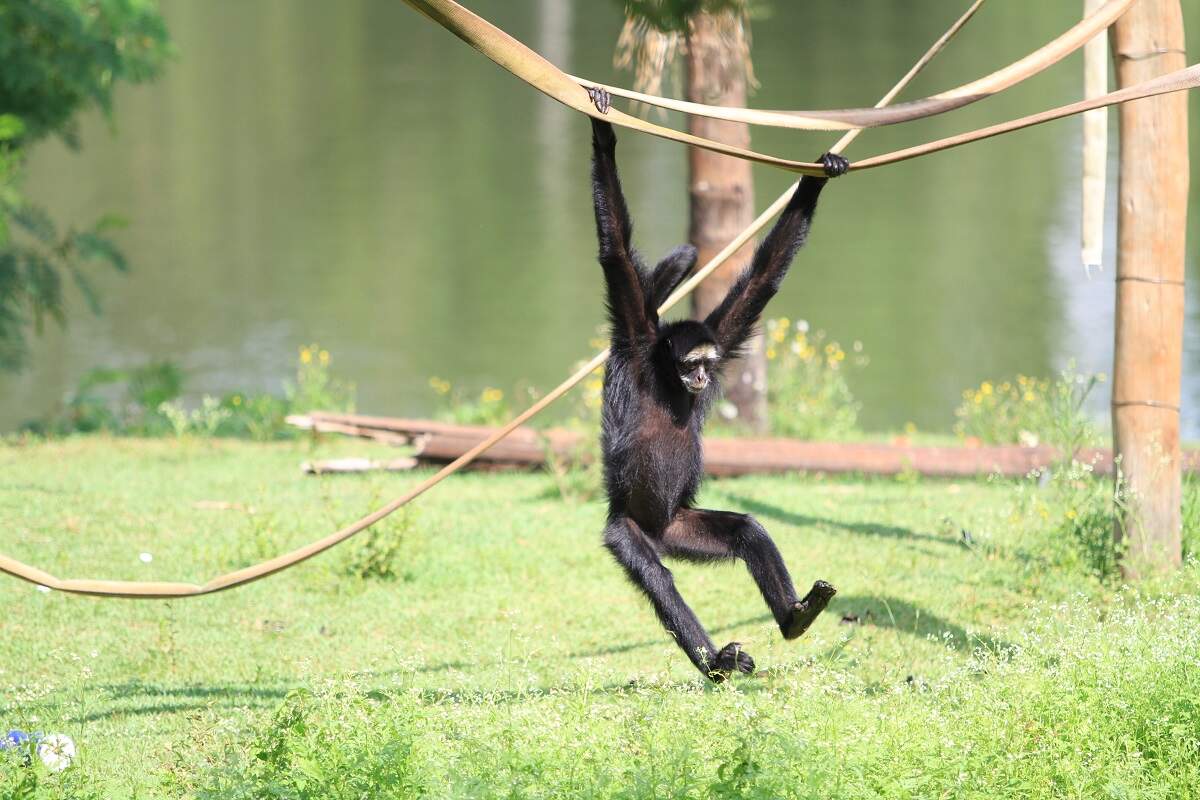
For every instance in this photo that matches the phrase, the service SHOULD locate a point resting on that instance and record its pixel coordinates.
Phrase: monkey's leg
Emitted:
(634, 552)
(701, 535)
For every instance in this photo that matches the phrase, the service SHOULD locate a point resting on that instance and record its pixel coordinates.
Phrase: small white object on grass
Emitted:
(56, 751)
(146, 558)
(42, 589)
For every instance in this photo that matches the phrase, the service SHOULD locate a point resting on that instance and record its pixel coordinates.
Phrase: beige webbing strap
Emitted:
(539, 73)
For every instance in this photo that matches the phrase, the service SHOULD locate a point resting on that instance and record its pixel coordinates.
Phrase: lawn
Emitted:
(969, 653)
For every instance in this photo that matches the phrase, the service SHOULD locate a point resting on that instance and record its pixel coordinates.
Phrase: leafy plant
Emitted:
(117, 400)
(1031, 411)
(60, 57)
(202, 421)
(808, 396)
(489, 407)
(315, 388)
(377, 555)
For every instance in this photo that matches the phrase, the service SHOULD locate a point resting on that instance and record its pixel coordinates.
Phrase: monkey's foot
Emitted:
(731, 658)
(808, 609)
(600, 98)
(834, 165)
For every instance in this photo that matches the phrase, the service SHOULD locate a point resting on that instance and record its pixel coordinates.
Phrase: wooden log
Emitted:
(319, 425)
(1148, 41)
(442, 442)
(342, 465)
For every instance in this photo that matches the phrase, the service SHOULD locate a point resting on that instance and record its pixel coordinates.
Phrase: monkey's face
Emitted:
(696, 367)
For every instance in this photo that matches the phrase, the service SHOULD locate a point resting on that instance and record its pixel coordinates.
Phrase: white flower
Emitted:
(56, 751)
(802, 325)
(146, 558)
(43, 589)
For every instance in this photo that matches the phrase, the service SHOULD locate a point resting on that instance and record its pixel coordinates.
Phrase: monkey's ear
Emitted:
(669, 273)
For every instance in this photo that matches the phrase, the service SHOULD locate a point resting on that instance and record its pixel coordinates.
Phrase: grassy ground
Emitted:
(509, 658)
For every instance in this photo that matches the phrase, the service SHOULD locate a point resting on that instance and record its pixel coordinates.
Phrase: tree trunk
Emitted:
(1147, 356)
(721, 191)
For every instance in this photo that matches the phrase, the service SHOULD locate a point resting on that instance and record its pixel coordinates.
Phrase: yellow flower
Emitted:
(305, 355)
(985, 387)
(1071, 514)
(491, 395)
(323, 356)
(1028, 398)
(770, 353)
(237, 400)
(439, 385)
(778, 335)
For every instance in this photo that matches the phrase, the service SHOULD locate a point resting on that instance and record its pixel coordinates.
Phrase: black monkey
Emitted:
(658, 385)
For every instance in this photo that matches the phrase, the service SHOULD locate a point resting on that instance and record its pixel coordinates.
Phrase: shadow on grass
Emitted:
(153, 698)
(883, 611)
(774, 512)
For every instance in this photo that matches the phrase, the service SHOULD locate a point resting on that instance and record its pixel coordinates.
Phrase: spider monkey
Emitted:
(660, 380)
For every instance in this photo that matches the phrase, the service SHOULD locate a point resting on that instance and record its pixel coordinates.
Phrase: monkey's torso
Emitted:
(653, 457)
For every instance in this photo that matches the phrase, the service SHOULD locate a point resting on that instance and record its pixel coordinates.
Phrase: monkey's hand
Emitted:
(807, 610)
(731, 659)
(600, 98)
(834, 165)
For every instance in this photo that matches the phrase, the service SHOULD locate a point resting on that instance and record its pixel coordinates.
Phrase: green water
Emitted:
(347, 173)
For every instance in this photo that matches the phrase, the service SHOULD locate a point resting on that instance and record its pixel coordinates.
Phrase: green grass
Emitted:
(508, 657)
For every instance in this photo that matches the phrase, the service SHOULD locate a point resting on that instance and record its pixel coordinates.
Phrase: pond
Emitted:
(349, 174)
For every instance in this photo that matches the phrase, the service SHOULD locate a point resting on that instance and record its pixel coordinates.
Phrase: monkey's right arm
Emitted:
(626, 297)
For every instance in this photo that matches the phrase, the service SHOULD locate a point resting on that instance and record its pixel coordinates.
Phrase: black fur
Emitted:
(651, 423)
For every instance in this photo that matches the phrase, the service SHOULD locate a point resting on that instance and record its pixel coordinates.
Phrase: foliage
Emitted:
(146, 401)
(60, 57)
(1030, 411)
(202, 421)
(489, 407)
(117, 400)
(376, 552)
(1080, 512)
(673, 15)
(316, 389)
(808, 395)
(1190, 516)
(1096, 704)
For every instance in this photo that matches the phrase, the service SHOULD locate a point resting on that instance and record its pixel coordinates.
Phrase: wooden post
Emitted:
(721, 194)
(1147, 41)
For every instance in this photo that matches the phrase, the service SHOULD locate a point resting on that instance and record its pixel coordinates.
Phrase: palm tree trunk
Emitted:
(721, 191)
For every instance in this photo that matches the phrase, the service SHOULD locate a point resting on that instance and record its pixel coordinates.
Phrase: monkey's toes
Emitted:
(731, 658)
(834, 165)
(600, 98)
(808, 609)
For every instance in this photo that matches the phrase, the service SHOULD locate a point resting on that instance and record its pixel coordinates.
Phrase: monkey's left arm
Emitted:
(734, 319)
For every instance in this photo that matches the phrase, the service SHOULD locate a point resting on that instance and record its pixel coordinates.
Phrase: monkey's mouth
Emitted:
(694, 384)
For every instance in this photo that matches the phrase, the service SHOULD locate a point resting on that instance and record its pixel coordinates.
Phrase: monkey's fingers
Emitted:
(834, 165)
(732, 658)
(600, 98)
(808, 609)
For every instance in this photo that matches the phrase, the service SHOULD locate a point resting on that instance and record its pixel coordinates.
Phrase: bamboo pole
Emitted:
(1148, 41)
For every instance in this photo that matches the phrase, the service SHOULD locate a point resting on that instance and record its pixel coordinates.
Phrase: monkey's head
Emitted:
(690, 350)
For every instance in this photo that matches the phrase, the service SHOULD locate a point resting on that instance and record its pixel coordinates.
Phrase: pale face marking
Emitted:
(703, 352)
